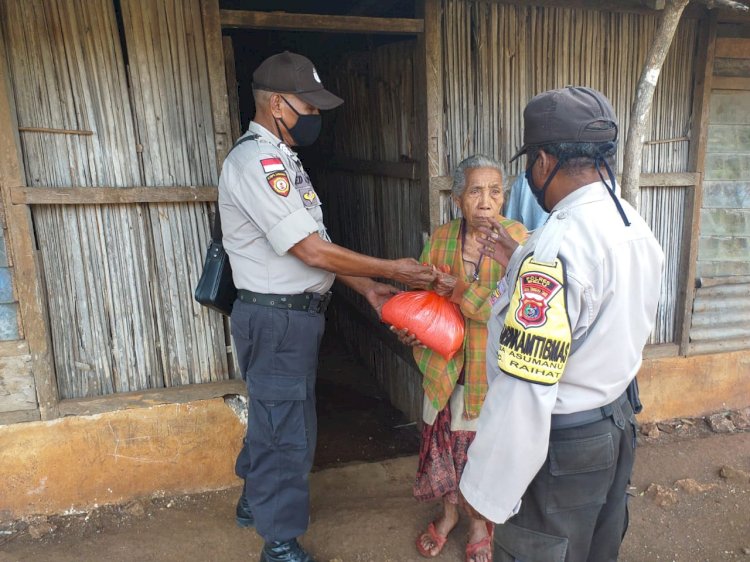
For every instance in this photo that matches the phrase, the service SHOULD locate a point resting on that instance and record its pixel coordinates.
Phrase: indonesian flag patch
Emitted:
(279, 182)
(272, 165)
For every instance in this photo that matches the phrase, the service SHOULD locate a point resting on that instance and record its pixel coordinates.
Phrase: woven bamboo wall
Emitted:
(119, 278)
(498, 56)
(375, 215)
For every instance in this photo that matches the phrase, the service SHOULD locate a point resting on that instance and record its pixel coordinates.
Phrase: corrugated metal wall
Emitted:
(498, 56)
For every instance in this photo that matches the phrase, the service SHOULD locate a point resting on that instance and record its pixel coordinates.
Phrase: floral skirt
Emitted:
(442, 458)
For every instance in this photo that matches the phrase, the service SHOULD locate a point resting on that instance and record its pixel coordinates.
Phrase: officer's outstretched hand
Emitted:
(496, 242)
(410, 272)
(378, 293)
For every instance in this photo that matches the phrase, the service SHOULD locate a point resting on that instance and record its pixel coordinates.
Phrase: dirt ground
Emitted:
(690, 497)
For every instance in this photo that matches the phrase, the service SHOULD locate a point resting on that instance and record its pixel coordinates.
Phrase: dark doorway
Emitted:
(356, 421)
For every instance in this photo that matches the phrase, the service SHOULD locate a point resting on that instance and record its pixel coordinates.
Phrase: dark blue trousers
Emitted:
(575, 509)
(278, 356)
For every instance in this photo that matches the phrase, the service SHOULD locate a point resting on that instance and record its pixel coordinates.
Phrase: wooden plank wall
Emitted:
(725, 217)
(721, 311)
(119, 278)
(375, 214)
(382, 82)
(498, 56)
(33, 377)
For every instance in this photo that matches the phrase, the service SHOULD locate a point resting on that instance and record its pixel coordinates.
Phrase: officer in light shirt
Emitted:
(555, 443)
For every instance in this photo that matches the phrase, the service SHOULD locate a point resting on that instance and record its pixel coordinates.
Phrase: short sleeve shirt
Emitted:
(267, 205)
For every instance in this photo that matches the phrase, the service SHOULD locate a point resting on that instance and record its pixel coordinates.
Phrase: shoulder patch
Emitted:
(279, 182)
(536, 337)
(272, 165)
(309, 197)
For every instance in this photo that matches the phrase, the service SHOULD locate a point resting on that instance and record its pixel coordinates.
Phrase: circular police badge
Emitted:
(279, 182)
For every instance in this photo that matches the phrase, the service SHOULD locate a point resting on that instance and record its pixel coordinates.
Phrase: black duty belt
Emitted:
(576, 419)
(313, 302)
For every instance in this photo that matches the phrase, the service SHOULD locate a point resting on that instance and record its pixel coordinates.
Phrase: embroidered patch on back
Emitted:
(279, 182)
(272, 165)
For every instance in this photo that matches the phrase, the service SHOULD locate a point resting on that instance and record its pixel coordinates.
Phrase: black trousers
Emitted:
(575, 509)
(278, 355)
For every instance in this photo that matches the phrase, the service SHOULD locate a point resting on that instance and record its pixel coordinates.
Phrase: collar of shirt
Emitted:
(584, 195)
(259, 129)
(587, 194)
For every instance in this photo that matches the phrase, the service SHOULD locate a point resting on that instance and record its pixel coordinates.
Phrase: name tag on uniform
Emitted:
(499, 291)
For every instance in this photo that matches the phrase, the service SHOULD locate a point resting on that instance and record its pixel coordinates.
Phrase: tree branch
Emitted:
(644, 96)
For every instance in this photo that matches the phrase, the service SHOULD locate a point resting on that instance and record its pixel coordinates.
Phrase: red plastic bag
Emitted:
(436, 321)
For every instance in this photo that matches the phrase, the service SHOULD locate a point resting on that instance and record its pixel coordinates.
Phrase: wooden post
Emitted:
(668, 22)
(696, 162)
(217, 79)
(245, 19)
(430, 77)
(223, 134)
(28, 287)
(234, 97)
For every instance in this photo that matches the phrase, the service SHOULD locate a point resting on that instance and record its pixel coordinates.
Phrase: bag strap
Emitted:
(216, 233)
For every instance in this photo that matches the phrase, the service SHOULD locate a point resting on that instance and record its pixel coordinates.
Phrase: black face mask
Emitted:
(306, 130)
(539, 194)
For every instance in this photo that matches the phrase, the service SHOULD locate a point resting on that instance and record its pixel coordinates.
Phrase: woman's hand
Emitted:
(496, 242)
(406, 338)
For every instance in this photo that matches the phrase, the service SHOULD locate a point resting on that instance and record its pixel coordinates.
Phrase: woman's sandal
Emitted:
(437, 539)
(472, 549)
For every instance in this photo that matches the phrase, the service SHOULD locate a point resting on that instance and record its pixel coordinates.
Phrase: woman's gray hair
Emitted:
(471, 163)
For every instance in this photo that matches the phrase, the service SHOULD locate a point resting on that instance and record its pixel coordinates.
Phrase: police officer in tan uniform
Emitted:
(284, 264)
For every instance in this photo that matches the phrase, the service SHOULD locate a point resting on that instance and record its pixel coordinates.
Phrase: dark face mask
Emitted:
(306, 130)
(538, 193)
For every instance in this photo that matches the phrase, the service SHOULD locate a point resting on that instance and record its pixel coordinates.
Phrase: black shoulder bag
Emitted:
(216, 288)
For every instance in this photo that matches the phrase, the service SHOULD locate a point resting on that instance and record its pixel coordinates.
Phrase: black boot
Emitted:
(244, 515)
(284, 551)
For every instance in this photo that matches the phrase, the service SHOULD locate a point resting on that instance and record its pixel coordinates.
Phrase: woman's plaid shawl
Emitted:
(440, 376)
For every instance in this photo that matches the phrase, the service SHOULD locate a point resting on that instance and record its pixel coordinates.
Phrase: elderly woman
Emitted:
(454, 390)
